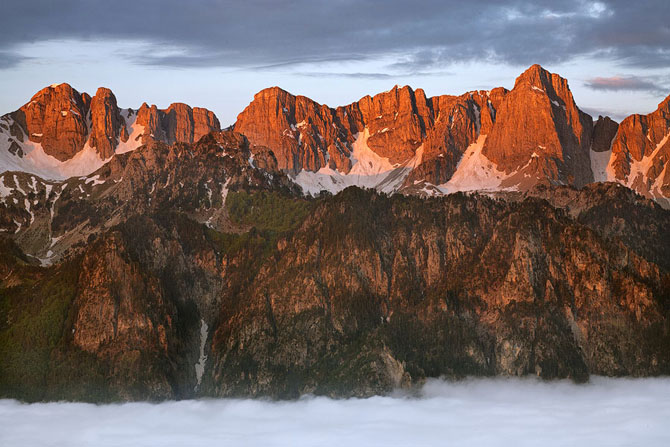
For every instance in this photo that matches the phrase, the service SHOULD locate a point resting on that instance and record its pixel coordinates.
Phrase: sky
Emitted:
(476, 412)
(219, 53)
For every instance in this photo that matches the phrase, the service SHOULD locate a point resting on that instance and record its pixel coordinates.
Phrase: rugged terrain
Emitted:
(402, 141)
(62, 133)
(199, 262)
(396, 141)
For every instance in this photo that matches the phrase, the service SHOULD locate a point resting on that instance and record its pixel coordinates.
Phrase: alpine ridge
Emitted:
(395, 141)
(62, 133)
(402, 141)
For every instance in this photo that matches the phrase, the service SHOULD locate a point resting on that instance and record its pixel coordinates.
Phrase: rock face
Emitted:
(63, 123)
(301, 133)
(356, 294)
(178, 123)
(540, 133)
(604, 131)
(107, 124)
(56, 118)
(309, 136)
(533, 134)
(641, 151)
(458, 123)
(402, 141)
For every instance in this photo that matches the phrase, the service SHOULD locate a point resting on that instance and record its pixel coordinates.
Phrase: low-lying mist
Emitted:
(481, 412)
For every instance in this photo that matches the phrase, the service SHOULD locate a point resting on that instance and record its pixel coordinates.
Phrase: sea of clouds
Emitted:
(477, 412)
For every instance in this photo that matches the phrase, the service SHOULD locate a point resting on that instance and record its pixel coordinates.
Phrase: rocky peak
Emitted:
(62, 122)
(397, 121)
(178, 123)
(604, 131)
(540, 130)
(150, 118)
(458, 122)
(306, 135)
(302, 133)
(56, 118)
(640, 153)
(107, 124)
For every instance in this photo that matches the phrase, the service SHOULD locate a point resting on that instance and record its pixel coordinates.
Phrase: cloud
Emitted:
(321, 74)
(375, 76)
(613, 114)
(491, 412)
(252, 33)
(627, 83)
(10, 59)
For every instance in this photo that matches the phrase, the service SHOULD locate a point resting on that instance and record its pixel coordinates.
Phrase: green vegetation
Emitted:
(34, 316)
(269, 215)
(267, 210)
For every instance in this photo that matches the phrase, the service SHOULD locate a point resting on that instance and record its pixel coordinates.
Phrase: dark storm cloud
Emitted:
(627, 83)
(419, 35)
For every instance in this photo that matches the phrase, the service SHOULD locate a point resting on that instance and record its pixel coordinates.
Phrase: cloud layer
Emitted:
(432, 34)
(519, 412)
(625, 83)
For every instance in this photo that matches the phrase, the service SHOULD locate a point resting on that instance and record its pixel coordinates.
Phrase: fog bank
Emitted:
(482, 412)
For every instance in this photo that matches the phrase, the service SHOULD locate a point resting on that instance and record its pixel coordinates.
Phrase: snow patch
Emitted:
(369, 170)
(599, 163)
(26, 204)
(36, 161)
(224, 192)
(18, 186)
(86, 161)
(200, 365)
(639, 170)
(54, 241)
(135, 132)
(474, 172)
(95, 180)
(209, 192)
(4, 190)
(57, 196)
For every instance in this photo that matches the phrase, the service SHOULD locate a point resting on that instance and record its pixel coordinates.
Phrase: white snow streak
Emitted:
(200, 365)
(369, 170)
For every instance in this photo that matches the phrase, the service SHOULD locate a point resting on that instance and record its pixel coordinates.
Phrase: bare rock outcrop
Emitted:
(540, 130)
(56, 118)
(107, 124)
(178, 123)
(641, 151)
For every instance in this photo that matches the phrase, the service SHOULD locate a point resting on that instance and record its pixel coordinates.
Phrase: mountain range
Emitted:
(149, 254)
(396, 141)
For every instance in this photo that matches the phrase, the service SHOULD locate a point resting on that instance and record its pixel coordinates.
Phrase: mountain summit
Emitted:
(396, 141)
(62, 133)
(403, 141)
